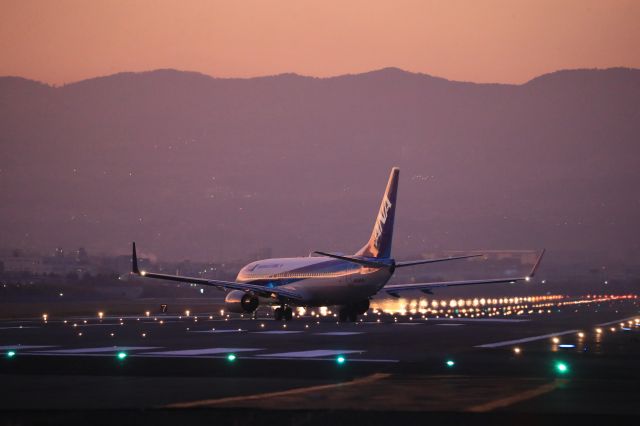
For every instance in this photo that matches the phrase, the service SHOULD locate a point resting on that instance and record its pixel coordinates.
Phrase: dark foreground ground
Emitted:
(177, 369)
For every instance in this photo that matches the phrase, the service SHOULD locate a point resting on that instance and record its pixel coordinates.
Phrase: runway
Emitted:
(388, 361)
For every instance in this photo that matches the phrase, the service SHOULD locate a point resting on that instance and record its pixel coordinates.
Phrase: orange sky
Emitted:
(60, 41)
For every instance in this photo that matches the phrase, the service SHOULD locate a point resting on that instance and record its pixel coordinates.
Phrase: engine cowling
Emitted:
(241, 302)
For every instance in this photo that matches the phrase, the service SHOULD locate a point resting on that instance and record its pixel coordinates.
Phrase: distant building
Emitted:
(25, 263)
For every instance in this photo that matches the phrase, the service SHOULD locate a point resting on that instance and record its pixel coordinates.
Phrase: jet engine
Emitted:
(241, 302)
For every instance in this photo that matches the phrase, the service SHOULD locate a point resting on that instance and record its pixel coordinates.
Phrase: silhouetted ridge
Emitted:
(582, 76)
(191, 165)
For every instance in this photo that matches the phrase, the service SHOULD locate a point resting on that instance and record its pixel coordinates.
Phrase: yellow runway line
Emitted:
(296, 391)
(514, 399)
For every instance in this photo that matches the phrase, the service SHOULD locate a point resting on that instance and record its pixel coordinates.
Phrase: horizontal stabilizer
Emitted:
(369, 263)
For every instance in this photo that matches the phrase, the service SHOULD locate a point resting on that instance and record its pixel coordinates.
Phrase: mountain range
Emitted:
(192, 166)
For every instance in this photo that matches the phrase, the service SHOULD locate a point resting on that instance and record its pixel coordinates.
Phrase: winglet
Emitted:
(134, 261)
(535, 267)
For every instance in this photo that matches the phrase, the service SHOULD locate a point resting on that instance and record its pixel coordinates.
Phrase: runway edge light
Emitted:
(340, 360)
(562, 367)
(121, 355)
(450, 363)
(231, 357)
(11, 354)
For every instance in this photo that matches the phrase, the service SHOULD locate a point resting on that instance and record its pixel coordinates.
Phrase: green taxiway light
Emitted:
(11, 354)
(340, 359)
(562, 368)
(122, 355)
(450, 363)
(231, 357)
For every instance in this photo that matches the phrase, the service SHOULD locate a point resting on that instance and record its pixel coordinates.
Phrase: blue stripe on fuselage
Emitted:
(328, 266)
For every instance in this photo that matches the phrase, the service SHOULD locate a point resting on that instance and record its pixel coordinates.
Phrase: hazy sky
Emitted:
(60, 41)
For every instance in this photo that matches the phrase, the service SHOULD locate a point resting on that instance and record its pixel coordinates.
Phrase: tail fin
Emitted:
(379, 245)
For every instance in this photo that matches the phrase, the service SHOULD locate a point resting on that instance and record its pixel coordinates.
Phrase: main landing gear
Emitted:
(283, 313)
(350, 312)
(346, 314)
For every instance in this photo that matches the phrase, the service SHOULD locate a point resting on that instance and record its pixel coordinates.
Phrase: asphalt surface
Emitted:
(486, 369)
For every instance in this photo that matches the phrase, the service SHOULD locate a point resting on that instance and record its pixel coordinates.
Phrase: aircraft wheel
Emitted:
(277, 314)
(343, 315)
(288, 314)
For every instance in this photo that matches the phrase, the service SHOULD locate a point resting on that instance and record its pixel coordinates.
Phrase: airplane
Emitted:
(328, 279)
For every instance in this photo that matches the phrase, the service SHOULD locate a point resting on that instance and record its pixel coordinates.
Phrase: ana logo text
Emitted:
(382, 219)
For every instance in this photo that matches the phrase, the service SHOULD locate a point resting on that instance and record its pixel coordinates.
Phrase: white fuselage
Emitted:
(322, 281)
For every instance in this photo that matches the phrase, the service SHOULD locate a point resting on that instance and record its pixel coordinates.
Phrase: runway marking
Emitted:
(617, 321)
(514, 399)
(115, 324)
(285, 358)
(339, 333)
(527, 339)
(276, 332)
(296, 391)
(449, 325)
(237, 330)
(8, 328)
(206, 351)
(310, 354)
(98, 350)
(406, 323)
(506, 320)
(19, 347)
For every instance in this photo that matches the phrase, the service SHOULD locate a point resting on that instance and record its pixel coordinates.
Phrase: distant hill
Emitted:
(208, 168)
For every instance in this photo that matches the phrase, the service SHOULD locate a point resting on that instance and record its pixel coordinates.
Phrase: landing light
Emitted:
(121, 355)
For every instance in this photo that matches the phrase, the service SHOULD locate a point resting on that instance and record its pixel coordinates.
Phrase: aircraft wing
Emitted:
(394, 289)
(232, 285)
